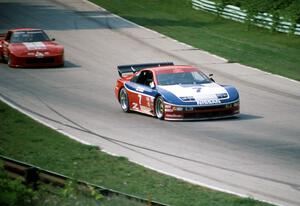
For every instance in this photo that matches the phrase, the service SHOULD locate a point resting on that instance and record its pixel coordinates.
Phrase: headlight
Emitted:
(222, 95)
(187, 98)
(179, 109)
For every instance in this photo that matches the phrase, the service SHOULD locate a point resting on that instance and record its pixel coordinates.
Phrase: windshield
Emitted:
(29, 36)
(195, 77)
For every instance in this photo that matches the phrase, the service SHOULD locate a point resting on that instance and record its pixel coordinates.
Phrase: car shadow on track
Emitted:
(240, 117)
(70, 65)
(67, 65)
(243, 116)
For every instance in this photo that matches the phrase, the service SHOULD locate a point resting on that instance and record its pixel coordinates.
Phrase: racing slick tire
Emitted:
(124, 101)
(160, 108)
(2, 58)
(8, 60)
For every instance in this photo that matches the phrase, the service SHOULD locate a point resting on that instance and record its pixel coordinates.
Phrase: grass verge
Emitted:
(26, 140)
(257, 47)
(14, 192)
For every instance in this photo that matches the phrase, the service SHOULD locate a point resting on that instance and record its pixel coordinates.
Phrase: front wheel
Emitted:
(160, 108)
(124, 100)
(9, 60)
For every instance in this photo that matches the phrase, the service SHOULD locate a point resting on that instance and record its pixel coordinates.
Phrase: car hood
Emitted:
(193, 94)
(24, 47)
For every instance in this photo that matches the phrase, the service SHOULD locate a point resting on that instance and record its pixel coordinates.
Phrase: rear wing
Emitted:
(133, 68)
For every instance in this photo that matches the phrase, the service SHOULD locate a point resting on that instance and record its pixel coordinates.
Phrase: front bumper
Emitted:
(46, 61)
(225, 110)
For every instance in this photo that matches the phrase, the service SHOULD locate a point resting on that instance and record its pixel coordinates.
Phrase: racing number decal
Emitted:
(137, 106)
(140, 99)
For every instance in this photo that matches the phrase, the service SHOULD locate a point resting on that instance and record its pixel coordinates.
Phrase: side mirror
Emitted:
(211, 77)
(152, 85)
(53, 39)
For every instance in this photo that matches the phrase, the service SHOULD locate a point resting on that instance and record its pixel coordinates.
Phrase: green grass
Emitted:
(257, 47)
(26, 140)
(15, 193)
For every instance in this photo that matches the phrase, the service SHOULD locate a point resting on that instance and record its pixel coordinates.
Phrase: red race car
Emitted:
(29, 47)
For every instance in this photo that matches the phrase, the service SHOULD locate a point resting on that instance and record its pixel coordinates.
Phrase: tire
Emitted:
(124, 101)
(160, 108)
(9, 61)
(4, 59)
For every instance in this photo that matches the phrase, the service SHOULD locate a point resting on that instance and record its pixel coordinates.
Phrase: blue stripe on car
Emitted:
(146, 89)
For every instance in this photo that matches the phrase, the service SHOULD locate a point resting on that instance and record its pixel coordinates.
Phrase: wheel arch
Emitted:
(120, 89)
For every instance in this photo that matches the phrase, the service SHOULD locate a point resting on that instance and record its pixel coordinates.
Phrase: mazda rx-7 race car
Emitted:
(28, 47)
(173, 92)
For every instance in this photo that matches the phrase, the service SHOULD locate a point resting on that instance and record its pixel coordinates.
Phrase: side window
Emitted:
(145, 78)
(8, 36)
(135, 78)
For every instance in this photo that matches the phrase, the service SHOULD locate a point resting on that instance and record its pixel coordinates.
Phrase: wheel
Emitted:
(124, 100)
(2, 58)
(8, 60)
(160, 108)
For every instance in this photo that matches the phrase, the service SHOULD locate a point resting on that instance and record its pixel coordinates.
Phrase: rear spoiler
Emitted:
(133, 68)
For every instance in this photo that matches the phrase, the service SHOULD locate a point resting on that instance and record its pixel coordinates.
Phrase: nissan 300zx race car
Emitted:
(174, 92)
(28, 47)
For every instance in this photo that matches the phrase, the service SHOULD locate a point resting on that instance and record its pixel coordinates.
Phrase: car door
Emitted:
(141, 95)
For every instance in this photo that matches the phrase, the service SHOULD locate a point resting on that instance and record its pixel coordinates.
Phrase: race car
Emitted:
(174, 92)
(27, 47)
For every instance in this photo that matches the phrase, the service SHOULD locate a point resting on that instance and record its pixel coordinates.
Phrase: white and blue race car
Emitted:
(174, 92)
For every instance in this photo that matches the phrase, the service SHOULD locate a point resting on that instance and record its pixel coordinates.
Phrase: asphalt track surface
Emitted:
(257, 154)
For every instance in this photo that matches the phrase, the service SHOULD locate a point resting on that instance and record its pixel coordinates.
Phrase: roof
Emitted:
(173, 69)
(24, 29)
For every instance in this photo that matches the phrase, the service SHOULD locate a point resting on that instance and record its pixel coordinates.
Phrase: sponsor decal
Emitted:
(140, 89)
(198, 89)
(168, 110)
(207, 101)
(145, 109)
